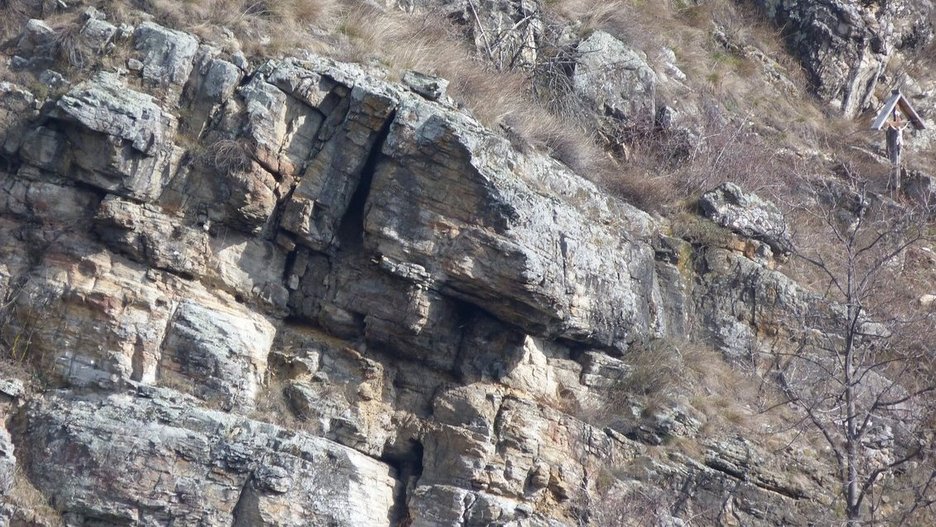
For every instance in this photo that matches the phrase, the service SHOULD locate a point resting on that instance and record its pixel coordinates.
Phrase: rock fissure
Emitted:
(350, 232)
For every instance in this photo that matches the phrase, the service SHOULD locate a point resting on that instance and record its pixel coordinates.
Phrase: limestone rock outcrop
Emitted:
(298, 293)
(180, 463)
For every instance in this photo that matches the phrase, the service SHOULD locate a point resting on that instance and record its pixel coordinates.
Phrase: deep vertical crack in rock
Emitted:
(246, 511)
(408, 463)
(350, 232)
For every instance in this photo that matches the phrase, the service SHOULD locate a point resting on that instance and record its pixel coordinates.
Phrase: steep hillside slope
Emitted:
(275, 282)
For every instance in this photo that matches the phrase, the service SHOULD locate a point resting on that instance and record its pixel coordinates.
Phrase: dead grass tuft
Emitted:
(15, 13)
(536, 104)
(263, 27)
(30, 505)
(667, 370)
(225, 156)
(69, 48)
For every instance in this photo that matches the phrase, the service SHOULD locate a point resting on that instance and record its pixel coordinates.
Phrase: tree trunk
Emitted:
(852, 441)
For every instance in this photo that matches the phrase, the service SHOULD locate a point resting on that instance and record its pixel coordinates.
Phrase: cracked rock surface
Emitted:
(302, 294)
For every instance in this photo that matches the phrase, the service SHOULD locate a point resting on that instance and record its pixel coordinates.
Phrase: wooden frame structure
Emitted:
(896, 115)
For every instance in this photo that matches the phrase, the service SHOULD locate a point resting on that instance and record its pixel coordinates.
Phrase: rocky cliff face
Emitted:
(298, 293)
(845, 46)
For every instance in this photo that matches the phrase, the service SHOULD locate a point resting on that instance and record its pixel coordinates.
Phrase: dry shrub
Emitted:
(666, 370)
(737, 129)
(663, 367)
(225, 156)
(69, 48)
(636, 506)
(496, 98)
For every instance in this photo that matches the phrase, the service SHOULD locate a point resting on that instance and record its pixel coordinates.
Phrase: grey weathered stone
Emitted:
(213, 81)
(105, 105)
(181, 463)
(742, 324)
(120, 140)
(53, 80)
(166, 54)
(17, 108)
(602, 371)
(845, 45)
(35, 38)
(126, 309)
(456, 309)
(663, 422)
(38, 200)
(225, 352)
(98, 34)
(615, 79)
(748, 215)
(148, 236)
(920, 187)
(12, 388)
(7, 463)
(517, 241)
(429, 86)
(355, 112)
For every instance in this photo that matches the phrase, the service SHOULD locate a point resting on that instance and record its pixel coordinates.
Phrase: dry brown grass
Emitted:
(262, 27)
(30, 506)
(649, 169)
(497, 98)
(742, 116)
(15, 13)
(225, 156)
(69, 49)
(731, 399)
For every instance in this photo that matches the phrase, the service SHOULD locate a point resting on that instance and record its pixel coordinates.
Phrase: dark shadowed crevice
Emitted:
(407, 460)
(489, 349)
(350, 232)
(247, 511)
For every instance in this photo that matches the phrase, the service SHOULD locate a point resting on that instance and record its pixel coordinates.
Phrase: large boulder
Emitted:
(748, 215)
(521, 237)
(355, 114)
(166, 54)
(156, 458)
(108, 136)
(88, 317)
(105, 105)
(225, 352)
(450, 214)
(212, 82)
(615, 79)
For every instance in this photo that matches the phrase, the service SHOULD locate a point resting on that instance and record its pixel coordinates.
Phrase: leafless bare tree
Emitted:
(861, 373)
